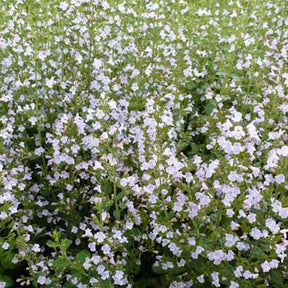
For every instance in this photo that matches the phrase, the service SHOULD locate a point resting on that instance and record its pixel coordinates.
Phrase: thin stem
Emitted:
(36, 91)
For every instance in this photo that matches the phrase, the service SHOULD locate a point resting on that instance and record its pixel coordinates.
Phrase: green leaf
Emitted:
(158, 269)
(131, 268)
(65, 244)
(221, 73)
(82, 255)
(120, 195)
(9, 281)
(277, 279)
(117, 214)
(210, 107)
(51, 244)
(106, 206)
(61, 262)
(226, 97)
(190, 87)
(107, 188)
(45, 193)
(76, 273)
(257, 253)
(6, 260)
(235, 76)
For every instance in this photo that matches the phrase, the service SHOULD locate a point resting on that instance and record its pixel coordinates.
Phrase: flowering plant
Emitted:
(143, 143)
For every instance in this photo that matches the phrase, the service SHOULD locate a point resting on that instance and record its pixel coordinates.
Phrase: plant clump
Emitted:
(143, 143)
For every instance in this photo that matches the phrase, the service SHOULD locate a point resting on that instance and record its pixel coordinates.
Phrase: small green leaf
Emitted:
(117, 214)
(45, 193)
(235, 77)
(9, 281)
(106, 206)
(6, 260)
(221, 73)
(131, 268)
(158, 269)
(107, 188)
(82, 255)
(51, 244)
(209, 108)
(277, 279)
(120, 195)
(65, 244)
(61, 262)
(190, 87)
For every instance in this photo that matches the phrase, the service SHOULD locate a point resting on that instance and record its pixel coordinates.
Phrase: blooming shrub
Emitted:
(143, 143)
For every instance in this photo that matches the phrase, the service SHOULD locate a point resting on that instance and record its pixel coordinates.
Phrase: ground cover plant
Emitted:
(143, 143)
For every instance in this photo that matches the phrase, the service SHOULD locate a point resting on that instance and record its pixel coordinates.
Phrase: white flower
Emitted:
(3, 215)
(33, 120)
(97, 64)
(272, 161)
(238, 271)
(231, 240)
(280, 179)
(106, 249)
(41, 280)
(274, 264)
(119, 278)
(272, 225)
(50, 82)
(74, 229)
(63, 6)
(100, 237)
(175, 249)
(230, 213)
(284, 151)
(198, 251)
(233, 284)
(5, 246)
(36, 248)
(92, 247)
(265, 266)
(256, 233)
(112, 104)
(98, 165)
(251, 217)
(201, 278)
(215, 277)
(148, 70)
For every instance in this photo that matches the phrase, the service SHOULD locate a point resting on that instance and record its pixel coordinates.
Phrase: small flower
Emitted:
(106, 249)
(36, 248)
(233, 285)
(231, 240)
(5, 246)
(100, 237)
(265, 266)
(272, 225)
(280, 179)
(50, 82)
(63, 6)
(201, 278)
(41, 280)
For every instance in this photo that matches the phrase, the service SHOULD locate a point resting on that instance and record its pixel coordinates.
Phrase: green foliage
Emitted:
(82, 255)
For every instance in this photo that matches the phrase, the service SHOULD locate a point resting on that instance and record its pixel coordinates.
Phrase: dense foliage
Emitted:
(143, 143)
